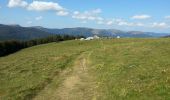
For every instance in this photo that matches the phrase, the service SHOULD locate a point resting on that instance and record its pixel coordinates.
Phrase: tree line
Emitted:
(11, 46)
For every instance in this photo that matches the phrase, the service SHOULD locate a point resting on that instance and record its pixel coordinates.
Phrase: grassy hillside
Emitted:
(120, 69)
(133, 69)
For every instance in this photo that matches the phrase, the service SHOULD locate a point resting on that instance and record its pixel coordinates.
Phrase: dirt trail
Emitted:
(77, 83)
(102, 45)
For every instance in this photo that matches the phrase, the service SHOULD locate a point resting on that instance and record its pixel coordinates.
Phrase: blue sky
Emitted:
(139, 15)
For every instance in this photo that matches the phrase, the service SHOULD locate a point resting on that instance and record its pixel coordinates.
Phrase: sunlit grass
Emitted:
(124, 69)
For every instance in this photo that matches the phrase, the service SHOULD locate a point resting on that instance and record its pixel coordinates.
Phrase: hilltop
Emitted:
(88, 70)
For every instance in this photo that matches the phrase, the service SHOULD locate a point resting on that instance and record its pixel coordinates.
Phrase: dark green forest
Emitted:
(11, 46)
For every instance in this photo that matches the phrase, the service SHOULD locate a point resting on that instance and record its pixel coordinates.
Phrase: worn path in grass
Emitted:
(75, 83)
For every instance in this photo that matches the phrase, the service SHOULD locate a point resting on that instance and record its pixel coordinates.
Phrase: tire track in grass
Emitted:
(55, 76)
(76, 83)
(102, 45)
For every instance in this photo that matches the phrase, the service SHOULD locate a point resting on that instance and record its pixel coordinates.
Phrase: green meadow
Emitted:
(105, 69)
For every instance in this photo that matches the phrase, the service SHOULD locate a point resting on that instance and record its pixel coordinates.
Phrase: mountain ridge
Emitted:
(17, 32)
(103, 32)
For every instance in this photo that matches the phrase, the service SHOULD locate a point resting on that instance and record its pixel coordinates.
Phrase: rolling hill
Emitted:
(113, 69)
(102, 32)
(16, 32)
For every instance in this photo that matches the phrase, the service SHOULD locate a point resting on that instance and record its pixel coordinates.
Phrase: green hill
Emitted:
(115, 69)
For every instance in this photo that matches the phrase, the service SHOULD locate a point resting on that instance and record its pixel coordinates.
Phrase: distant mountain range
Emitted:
(167, 36)
(102, 32)
(16, 32)
(8, 32)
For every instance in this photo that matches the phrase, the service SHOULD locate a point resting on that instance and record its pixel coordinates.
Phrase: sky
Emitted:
(127, 15)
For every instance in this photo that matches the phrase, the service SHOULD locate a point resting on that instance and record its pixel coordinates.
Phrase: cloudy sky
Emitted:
(143, 15)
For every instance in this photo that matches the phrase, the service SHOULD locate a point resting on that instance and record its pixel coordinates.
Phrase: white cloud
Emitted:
(167, 17)
(29, 22)
(91, 18)
(76, 12)
(84, 22)
(122, 22)
(100, 22)
(79, 17)
(87, 15)
(62, 13)
(109, 22)
(141, 17)
(97, 11)
(160, 25)
(38, 18)
(115, 22)
(139, 24)
(118, 20)
(17, 3)
(44, 6)
(99, 18)
(84, 17)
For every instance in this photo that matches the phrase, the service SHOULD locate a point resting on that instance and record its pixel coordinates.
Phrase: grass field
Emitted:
(115, 69)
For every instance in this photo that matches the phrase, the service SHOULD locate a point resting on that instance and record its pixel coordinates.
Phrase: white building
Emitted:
(96, 37)
(118, 37)
(81, 39)
(89, 38)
